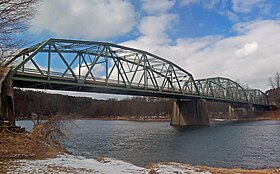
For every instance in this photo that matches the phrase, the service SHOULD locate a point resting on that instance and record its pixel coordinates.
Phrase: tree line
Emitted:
(45, 104)
(29, 103)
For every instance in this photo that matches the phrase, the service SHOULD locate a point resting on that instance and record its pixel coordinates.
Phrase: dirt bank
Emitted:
(236, 171)
(268, 115)
(24, 146)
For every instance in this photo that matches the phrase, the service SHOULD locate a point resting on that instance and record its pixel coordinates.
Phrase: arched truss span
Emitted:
(256, 96)
(99, 63)
(110, 68)
(227, 89)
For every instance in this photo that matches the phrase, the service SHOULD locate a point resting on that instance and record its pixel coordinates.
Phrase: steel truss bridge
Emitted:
(102, 67)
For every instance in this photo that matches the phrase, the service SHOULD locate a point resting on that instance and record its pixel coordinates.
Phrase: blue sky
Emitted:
(238, 39)
(194, 18)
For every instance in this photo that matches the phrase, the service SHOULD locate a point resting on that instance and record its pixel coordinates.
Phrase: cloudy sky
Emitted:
(238, 39)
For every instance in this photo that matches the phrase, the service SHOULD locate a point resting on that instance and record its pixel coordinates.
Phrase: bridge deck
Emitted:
(26, 80)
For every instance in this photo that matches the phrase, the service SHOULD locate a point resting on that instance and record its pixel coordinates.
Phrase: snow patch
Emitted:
(76, 164)
(172, 168)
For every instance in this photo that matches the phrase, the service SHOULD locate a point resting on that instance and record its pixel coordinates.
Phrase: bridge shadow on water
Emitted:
(189, 128)
(213, 124)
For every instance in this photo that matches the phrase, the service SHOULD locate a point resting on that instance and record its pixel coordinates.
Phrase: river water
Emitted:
(250, 145)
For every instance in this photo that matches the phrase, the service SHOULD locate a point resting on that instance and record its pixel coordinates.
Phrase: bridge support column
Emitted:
(241, 111)
(7, 111)
(247, 111)
(189, 112)
(231, 112)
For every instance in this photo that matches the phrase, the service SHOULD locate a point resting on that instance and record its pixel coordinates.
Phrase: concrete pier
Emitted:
(189, 112)
(241, 111)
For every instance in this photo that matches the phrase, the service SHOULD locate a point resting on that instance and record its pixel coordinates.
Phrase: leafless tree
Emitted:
(54, 128)
(274, 81)
(14, 18)
(243, 85)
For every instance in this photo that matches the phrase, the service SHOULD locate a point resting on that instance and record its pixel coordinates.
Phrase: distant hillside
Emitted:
(45, 104)
(274, 96)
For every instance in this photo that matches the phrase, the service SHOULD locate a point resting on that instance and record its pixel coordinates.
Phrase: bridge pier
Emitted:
(7, 111)
(241, 111)
(189, 112)
(231, 112)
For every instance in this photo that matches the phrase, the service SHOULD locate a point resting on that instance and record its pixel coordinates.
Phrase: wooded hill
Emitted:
(45, 104)
(274, 96)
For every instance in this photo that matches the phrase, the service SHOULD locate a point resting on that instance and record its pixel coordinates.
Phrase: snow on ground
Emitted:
(72, 164)
(171, 168)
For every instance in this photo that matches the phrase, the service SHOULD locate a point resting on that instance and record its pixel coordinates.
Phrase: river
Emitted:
(250, 145)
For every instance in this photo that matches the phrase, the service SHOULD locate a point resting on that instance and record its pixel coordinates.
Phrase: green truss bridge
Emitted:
(102, 67)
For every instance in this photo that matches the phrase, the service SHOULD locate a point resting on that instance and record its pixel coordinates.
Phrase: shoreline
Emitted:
(130, 119)
(259, 118)
(40, 155)
(268, 115)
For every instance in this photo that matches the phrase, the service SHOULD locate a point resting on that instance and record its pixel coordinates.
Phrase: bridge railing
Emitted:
(53, 75)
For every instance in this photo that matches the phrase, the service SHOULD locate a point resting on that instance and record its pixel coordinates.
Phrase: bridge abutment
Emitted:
(189, 112)
(7, 96)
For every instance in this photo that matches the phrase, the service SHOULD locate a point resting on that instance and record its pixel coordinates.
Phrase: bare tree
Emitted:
(53, 129)
(274, 81)
(14, 18)
(243, 85)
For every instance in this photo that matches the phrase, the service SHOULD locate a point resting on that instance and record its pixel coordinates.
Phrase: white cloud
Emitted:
(156, 26)
(85, 19)
(278, 15)
(97, 70)
(189, 2)
(210, 4)
(231, 16)
(157, 6)
(247, 49)
(217, 56)
(153, 30)
(218, 4)
(245, 6)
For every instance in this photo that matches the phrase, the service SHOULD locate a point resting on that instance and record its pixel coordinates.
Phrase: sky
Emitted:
(237, 39)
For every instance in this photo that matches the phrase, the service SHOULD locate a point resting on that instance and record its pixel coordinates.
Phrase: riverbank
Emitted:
(268, 115)
(21, 153)
(74, 164)
(25, 145)
(135, 119)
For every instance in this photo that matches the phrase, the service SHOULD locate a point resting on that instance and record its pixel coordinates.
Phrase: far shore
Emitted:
(269, 115)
